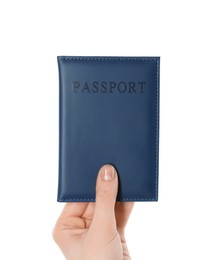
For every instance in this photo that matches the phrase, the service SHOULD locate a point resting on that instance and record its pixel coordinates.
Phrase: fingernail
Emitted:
(108, 173)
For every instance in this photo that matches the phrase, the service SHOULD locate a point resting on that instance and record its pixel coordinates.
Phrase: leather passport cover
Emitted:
(108, 114)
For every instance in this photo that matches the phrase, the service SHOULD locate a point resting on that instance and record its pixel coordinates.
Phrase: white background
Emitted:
(33, 33)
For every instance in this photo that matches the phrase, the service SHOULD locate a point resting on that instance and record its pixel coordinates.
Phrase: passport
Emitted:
(108, 114)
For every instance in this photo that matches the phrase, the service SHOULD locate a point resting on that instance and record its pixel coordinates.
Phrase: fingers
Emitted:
(89, 211)
(122, 212)
(106, 193)
(73, 209)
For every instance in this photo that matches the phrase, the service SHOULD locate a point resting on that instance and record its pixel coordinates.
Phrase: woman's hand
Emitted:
(95, 230)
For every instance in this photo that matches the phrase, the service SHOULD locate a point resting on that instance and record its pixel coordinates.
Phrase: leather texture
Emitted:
(108, 114)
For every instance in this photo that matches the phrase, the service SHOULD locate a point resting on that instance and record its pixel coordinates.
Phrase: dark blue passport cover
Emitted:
(108, 114)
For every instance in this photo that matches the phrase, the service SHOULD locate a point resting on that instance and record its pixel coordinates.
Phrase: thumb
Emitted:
(106, 193)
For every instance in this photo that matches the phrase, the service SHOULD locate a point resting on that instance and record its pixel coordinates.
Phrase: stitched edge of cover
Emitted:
(103, 58)
(157, 120)
(124, 199)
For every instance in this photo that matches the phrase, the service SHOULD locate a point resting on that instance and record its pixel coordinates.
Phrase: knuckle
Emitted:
(104, 194)
(102, 191)
(56, 232)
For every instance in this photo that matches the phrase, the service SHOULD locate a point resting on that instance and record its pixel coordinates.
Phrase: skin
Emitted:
(95, 230)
